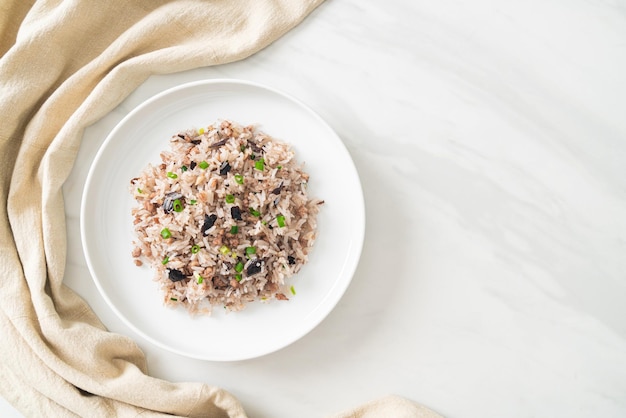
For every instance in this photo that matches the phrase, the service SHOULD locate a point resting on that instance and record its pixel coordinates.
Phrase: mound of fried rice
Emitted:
(224, 219)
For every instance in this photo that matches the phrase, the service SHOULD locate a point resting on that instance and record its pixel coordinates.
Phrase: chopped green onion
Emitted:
(280, 220)
(242, 148)
(165, 233)
(279, 167)
(165, 260)
(239, 267)
(193, 202)
(264, 222)
(178, 206)
(203, 165)
(254, 212)
(293, 290)
(239, 178)
(172, 175)
(139, 190)
(238, 277)
(260, 164)
(200, 279)
(230, 198)
(195, 249)
(250, 250)
(174, 299)
(224, 250)
(234, 229)
(183, 168)
(252, 156)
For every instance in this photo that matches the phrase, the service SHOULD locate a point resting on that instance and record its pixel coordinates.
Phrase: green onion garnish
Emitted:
(200, 279)
(195, 249)
(252, 156)
(242, 148)
(139, 190)
(183, 168)
(174, 299)
(239, 267)
(250, 250)
(165, 233)
(279, 167)
(260, 164)
(172, 175)
(203, 165)
(234, 229)
(280, 220)
(230, 198)
(238, 277)
(254, 212)
(264, 222)
(165, 260)
(178, 206)
(193, 202)
(239, 178)
(293, 290)
(224, 250)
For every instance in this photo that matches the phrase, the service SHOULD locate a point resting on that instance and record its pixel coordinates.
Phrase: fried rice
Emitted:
(224, 219)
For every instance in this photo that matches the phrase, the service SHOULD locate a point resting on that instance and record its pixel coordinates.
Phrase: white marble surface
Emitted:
(490, 138)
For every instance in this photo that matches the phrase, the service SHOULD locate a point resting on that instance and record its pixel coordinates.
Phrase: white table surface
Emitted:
(490, 138)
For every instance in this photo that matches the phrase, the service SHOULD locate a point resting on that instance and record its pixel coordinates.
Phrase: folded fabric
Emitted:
(391, 406)
(63, 66)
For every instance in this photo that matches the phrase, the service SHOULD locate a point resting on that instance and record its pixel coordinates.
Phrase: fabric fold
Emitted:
(64, 65)
(389, 406)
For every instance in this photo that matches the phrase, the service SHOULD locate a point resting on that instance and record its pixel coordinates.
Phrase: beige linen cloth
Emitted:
(63, 65)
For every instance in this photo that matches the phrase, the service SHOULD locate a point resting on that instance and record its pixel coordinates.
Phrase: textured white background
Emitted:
(490, 138)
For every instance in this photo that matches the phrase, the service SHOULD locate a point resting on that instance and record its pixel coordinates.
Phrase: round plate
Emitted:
(261, 328)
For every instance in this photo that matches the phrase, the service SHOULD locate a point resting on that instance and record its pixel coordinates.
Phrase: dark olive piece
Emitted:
(224, 168)
(209, 221)
(176, 275)
(254, 267)
(235, 212)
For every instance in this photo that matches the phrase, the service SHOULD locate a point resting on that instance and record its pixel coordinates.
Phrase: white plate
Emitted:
(107, 233)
